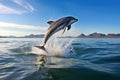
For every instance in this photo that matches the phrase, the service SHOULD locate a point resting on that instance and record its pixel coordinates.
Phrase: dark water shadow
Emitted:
(79, 74)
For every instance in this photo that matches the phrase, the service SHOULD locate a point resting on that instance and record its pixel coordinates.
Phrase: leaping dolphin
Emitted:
(56, 26)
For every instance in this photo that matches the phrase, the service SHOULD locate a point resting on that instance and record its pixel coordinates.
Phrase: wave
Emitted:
(21, 50)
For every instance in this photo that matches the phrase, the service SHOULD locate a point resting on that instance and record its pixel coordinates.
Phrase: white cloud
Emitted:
(4, 32)
(5, 9)
(24, 4)
(13, 29)
(22, 26)
(8, 10)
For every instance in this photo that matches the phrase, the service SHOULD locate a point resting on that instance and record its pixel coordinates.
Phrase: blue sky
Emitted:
(22, 17)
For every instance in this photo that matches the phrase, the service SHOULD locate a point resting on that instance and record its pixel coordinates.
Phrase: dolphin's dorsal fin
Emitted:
(50, 22)
(69, 27)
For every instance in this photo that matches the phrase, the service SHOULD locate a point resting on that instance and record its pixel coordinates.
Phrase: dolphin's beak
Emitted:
(76, 20)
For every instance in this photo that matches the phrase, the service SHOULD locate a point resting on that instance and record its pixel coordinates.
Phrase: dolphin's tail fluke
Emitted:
(41, 47)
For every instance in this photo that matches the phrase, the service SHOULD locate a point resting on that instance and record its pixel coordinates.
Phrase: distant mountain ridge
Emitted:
(92, 35)
(34, 36)
(7, 36)
(26, 36)
(99, 35)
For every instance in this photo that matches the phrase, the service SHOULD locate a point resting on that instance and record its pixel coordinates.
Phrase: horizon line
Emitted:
(63, 35)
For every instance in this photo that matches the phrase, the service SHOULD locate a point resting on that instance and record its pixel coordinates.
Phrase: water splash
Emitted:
(58, 47)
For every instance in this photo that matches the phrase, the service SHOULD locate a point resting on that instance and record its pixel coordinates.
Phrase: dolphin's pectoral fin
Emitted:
(64, 30)
(50, 22)
(69, 27)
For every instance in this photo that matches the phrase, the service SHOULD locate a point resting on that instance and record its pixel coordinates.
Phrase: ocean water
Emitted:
(67, 59)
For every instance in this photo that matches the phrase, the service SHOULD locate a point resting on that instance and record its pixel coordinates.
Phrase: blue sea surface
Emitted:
(86, 59)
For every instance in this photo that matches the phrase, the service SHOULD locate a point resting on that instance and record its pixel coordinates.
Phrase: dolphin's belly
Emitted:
(58, 29)
(51, 32)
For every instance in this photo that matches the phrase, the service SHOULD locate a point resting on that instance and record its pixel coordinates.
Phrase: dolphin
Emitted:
(55, 26)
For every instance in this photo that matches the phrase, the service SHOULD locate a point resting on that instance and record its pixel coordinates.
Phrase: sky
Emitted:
(24, 17)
